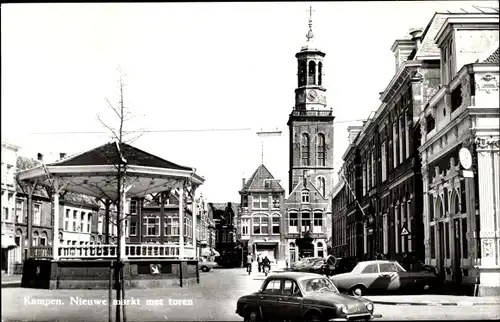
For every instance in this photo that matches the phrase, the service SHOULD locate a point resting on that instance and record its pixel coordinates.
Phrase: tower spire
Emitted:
(310, 33)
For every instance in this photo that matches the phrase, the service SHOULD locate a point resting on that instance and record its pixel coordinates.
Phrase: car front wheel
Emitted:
(252, 315)
(205, 269)
(314, 317)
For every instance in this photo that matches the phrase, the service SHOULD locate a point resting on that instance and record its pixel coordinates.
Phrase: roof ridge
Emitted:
(150, 154)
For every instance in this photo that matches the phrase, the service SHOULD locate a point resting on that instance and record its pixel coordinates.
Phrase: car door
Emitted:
(290, 301)
(269, 299)
(389, 276)
(369, 276)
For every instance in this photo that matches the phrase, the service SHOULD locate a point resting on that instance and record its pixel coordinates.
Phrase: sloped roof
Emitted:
(493, 58)
(256, 181)
(428, 46)
(108, 154)
(309, 186)
(24, 163)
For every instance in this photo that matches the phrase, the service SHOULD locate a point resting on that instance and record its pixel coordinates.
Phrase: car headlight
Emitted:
(369, 306)
(343, 309)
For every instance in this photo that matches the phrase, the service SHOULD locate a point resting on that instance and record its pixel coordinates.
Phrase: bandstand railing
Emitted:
(110, 251)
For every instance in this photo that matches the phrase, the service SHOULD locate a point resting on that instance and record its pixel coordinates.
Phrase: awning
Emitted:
(8, 242)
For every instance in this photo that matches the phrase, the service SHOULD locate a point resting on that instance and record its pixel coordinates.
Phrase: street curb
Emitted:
(11, 284)
(436, 304)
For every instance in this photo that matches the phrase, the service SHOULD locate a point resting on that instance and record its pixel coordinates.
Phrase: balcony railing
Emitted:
(87, 251)
(166, 250)
(311, 113)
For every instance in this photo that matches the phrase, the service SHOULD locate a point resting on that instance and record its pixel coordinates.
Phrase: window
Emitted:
(34, 240)
(394, 145)
(305, 196)
(245, 227)
(401, 127)
(306, 222)
(387, 268)
(320, 150)
(276, 201)
(152, 225)
(133, 228)
(312, 73)
(133, 206)
(456, 98)
(272, 287)
(43, 239)
(290, 287)
(67, 220)
(320, 184)
(260, 202)
(37, 214)
(293, 223)
(82, 222)
(305, 149)
(431, 123)
(276, 224)
(318, 223)
(302, 73)
(372, 268)
(372, 156)
(19, 211)
(364, 178)
(5, 213)
(75, 219)
(172, 227)
(188, 227)
(245, 201)
(320, 73)
(447, 241)
(89, 222)
(260, 225)
(407, 135)
(384, 162)
(100, 224)
(386, 234)
(368, 172)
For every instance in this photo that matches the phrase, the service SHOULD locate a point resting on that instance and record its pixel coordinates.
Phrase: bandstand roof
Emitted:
(94, 172)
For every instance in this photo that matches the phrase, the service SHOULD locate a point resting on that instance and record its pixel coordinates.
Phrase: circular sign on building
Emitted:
(465, 158)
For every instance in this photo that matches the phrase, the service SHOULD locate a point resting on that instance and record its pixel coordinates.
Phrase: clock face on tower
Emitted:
(312, 95)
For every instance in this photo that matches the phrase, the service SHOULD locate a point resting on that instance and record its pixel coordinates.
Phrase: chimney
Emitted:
(416, 35)
(39, 157)
(62, 155)
(243, 183)
(402, 48)
(353, 132)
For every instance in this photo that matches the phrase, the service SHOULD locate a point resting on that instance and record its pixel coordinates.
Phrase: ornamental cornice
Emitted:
(399, 79)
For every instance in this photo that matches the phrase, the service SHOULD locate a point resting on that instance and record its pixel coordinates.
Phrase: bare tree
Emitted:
(120, 136)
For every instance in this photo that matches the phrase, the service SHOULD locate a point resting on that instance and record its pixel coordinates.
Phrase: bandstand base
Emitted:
(95, 273)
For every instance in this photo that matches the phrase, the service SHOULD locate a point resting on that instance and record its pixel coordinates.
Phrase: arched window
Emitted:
(320, 150)
(276, 218)
(312, 73)
(456, 201)
(320, 184)
(320, 73)
(320, 249)
(305, 149)
(34, 240)
(302, 73)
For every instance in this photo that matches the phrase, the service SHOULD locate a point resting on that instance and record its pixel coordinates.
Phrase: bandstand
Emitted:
(95, 173)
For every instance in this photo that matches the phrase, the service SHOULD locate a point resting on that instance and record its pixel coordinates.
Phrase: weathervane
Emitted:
(310, 34)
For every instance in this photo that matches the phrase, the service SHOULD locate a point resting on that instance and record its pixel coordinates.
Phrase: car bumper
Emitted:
(357, 317)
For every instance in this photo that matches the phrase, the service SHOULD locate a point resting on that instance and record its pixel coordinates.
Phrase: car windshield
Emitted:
(318, 284)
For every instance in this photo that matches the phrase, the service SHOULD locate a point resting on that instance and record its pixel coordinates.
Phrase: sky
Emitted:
(200, 79)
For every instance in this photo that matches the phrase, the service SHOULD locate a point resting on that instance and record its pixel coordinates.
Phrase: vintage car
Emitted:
(304, 264)
(331, 266)
(294, 296)
(206, 265)
(384, 276)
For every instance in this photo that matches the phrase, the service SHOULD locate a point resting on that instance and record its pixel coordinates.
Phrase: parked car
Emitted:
(329, 266)
(384, 276)
(302, 297)
(304, 264)
(206, 265)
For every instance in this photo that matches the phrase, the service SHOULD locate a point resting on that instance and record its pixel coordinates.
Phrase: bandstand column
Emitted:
(121, 221)
(181, 222)
(55, 229)
(195, 217)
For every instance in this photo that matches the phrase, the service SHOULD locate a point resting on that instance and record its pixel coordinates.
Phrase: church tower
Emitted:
(311, 122)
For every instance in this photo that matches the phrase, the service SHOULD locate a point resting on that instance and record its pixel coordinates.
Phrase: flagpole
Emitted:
(353, 194)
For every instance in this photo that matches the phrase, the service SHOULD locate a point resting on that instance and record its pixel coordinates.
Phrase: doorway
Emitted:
(457, 256)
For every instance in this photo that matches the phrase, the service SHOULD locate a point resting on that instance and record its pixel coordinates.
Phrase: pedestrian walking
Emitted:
(259, 262)
(249, 263)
